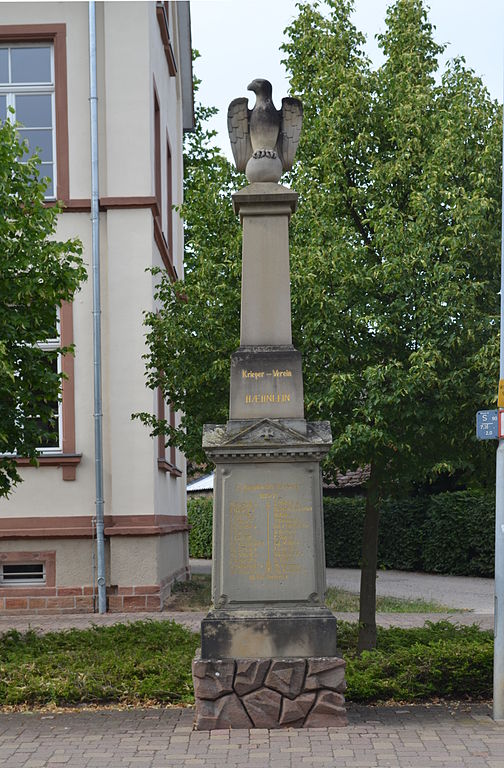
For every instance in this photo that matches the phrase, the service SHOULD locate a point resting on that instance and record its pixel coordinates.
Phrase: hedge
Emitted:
(461, 535)
(199, 517)
(445, 533)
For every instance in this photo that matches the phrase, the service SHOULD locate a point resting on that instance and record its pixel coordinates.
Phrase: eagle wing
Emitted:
(238, 127)
(291, 120)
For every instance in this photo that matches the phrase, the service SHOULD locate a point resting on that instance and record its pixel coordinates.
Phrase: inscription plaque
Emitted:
(270, 525)
(266, 383)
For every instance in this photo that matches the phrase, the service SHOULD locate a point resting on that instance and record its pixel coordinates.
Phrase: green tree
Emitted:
(37, 273)
(394, 262)
(197, 327)
(395, 253)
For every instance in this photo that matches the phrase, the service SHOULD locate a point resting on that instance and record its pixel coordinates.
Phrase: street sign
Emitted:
(487, 425)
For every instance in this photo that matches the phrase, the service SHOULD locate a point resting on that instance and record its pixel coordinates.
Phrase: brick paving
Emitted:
(192, 620)
(444, 736)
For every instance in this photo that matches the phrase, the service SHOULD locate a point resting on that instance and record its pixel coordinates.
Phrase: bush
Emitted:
(150, 662)
(437, 660)
(200, 517)
(141, 662)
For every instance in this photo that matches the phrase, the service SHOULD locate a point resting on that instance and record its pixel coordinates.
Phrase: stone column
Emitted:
(266, 376)
(265, 210)
(268, 646)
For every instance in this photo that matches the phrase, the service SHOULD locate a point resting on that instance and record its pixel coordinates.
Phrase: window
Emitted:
(54, 443)
(163, 17)
(169, 200)
(157, 151)
(163, 238)
(15, 574)
(27, 84)
(53, 36)
(165, 464)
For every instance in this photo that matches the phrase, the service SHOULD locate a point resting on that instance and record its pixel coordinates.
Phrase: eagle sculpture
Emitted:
(264, 139)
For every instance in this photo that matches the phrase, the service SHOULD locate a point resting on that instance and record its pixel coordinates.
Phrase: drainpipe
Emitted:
(95, 225)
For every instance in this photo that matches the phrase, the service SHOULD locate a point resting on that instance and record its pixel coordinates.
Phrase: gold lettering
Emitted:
(267, 397)
(252, 374)
(278, 373)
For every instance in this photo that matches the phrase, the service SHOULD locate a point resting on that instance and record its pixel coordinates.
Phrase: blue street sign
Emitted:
(487, 425)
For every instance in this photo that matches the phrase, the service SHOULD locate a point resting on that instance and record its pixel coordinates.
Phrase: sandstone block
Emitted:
(212, 678)
(263, 707)
(328, 710)
(326, 673)
(226, 712)
(286, 676)
(250, 674)
(295, 710)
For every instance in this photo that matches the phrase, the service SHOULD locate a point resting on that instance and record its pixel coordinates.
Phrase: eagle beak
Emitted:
(252, 86)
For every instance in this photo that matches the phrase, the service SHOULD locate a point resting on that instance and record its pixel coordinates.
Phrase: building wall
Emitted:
(144, 504)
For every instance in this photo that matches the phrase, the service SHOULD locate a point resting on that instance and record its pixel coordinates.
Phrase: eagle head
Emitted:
(261, 88)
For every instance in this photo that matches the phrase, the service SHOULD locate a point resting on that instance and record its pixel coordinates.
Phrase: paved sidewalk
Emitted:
(377, 737)
(192, 620)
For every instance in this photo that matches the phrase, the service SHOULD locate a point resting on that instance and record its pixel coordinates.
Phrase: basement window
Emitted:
(22, 573)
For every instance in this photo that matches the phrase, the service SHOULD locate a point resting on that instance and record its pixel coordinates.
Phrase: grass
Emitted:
(343, 601)
(149, 663)
(192, 595)
(195, 595)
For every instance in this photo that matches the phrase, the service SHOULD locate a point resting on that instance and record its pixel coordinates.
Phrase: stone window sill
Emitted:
(165, 466)
(67, 461)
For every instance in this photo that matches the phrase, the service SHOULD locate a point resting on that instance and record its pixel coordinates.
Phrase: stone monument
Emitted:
(268, 647)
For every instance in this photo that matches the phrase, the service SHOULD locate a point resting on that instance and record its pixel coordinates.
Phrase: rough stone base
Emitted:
(269, 693)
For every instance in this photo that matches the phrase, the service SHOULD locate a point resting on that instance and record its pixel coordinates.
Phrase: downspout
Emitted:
(95, 225)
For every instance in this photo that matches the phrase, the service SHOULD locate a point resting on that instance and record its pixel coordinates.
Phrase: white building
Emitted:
(47, 560)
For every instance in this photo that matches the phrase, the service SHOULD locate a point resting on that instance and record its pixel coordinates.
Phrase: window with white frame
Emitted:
(53, 443)
(19, 574)
(27, 85)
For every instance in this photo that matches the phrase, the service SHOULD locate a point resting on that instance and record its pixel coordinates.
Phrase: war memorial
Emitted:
(268, 654)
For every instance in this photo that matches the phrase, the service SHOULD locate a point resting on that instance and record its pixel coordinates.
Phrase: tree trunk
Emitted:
(367, 606)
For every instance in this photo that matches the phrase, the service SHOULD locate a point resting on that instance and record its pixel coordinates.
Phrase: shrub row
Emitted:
(149, 662)
(437, 660)
(146, 661)
(446, 533)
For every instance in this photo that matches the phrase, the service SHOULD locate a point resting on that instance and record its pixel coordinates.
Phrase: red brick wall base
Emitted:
(57, 600)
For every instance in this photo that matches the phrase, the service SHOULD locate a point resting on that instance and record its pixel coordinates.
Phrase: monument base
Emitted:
(269, 693)
(269, 633)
